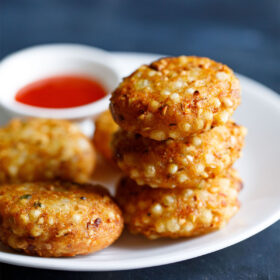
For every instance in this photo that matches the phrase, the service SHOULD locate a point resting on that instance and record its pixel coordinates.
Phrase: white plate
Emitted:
(259, 167)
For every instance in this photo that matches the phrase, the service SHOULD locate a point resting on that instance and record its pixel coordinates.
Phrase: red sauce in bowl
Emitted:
(61, 92)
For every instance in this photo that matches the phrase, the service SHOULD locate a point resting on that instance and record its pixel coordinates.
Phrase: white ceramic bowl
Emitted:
(23, 67)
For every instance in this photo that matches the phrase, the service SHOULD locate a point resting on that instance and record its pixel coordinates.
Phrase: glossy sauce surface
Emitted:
(59, 92)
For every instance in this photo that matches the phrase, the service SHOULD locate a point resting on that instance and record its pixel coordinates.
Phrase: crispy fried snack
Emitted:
(58, 219)
(176, 97)
(171, 163)
(40, 149)
(179, 212)
(105, 127)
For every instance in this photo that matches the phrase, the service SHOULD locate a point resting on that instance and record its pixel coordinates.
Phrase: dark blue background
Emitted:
(244, 34)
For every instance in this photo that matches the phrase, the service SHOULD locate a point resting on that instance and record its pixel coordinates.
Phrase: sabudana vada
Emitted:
(42, 149)
(172, 163)
(55, 219)
(105, 127)
(176, 97)
(178, 212)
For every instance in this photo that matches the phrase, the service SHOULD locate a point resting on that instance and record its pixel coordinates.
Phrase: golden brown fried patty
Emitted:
(39, 149)
(172, 163)
(176, 97)
(105, 127)
(179, 212)
(58, 219)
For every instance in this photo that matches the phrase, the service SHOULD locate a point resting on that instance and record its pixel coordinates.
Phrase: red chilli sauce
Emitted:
(61, 92)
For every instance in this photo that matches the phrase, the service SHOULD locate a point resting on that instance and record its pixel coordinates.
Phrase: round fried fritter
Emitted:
(58, 219)
(172, 163)
(176, 97)
(40, 149)
(179, 212)
(105, 127)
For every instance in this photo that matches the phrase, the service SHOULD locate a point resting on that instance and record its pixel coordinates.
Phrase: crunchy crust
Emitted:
(105, 127)
(58, 219)
(40, 149)
(179, 212)
(171, 163)
(176, 97)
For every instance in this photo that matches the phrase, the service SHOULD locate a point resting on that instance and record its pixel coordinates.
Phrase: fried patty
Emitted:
(58, 219)
(179, 212)
(41, 149)
(105, 127)
(176, 97)
(172, 163)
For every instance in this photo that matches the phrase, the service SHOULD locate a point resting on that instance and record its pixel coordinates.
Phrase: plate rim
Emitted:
(264, 93)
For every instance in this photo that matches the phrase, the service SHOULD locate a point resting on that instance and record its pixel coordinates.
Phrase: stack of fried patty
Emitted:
(177, 145)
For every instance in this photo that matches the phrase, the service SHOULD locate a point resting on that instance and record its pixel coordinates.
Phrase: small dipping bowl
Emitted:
(36, 63)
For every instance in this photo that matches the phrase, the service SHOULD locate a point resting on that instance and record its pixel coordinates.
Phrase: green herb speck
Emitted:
(25, 196)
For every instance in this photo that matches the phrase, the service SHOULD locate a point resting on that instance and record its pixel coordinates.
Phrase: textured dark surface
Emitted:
(241, 33)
